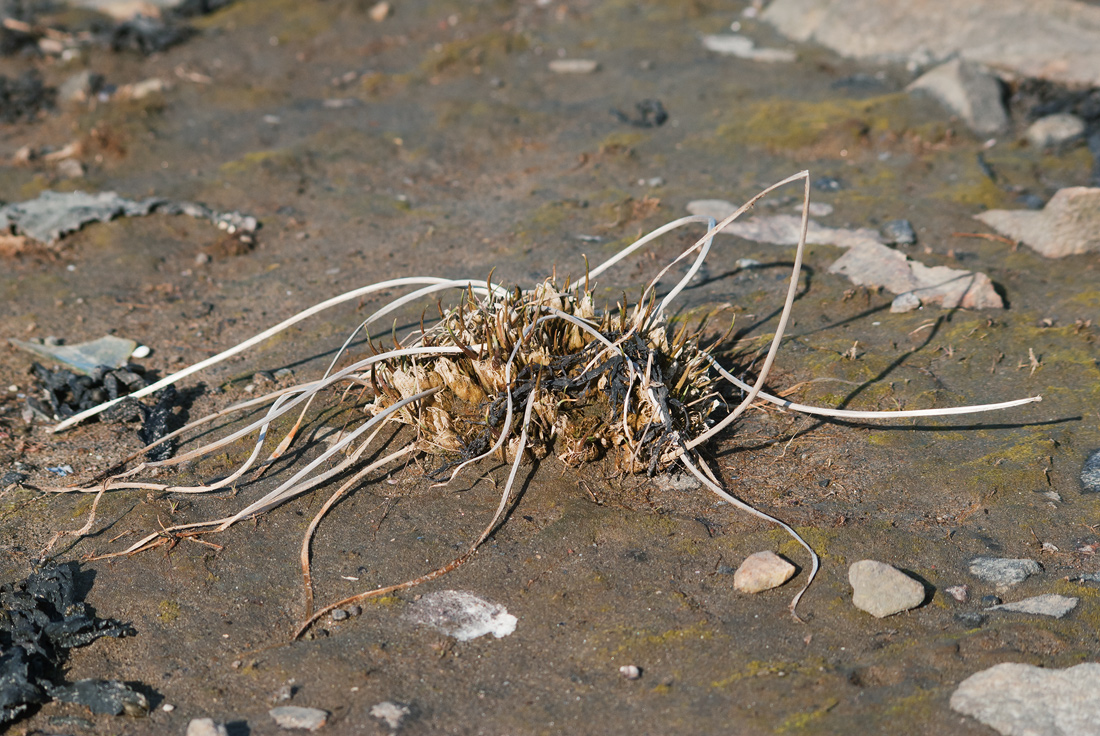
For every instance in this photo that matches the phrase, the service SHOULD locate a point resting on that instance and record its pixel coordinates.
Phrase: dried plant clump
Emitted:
(502, 373)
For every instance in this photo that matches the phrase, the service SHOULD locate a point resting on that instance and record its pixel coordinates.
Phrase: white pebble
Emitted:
(141, 351)
(630, 672)
(573, 66)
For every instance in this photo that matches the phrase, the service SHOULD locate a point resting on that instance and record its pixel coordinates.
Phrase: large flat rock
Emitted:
(1050, 39)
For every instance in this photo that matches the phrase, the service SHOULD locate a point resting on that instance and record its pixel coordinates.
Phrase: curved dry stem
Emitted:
(438, 572)
(294, 485)
(854, 414)
(792, 291)
(255, 340)
(307, 578)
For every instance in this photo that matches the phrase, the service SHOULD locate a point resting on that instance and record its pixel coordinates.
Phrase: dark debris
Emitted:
(651, 114)
(41, 619)
(23, 97)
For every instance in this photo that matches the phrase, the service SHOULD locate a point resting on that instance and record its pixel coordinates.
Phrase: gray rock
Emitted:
(54, 214)
(1023, 700)
(731, 44)
(762, 571)
(874, 264)
(969, 91)
(1055, 130)
(1090, 474)
(899, 232)
(297, 717)
(780, 229)
(390, 713)
(1049, 39)
(1040, 605)
(70, 168)
(206, 727)
(903, 303)
(1003, 571)
(1068, 225)
(882, 590)
(677, 482)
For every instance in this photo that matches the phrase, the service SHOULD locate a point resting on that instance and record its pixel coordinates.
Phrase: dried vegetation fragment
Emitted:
(502, 373)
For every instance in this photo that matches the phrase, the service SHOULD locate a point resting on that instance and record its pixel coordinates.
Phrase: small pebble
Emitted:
(390, 713)
(202, 259)
(1055, 130)
(899, 232)
(380, 11)
(573, 66)
(991, 600)
(141, 351)
(355, 610)
(293, 716)
(630, 672)
(206, 727)
(882, 590)
(762, 571)
(905, 302)
(339, 614)
(168, 707)
(958, 592)
(70, 168)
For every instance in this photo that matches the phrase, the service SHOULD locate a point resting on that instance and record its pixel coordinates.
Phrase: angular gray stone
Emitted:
(1040, 605)
(882, 590)
(206, 727)
(297, 717)
(1090, 474)
(1055, 130)
(762, 571)
(969, 91)
(1049, 39)
(1003, 571)
(899, 232)
(780, 229)
(873, 264)
(1068, 225)
(730, 44)
(1023, 700)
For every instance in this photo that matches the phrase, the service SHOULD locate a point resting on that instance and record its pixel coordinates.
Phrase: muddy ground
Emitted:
(451, 151)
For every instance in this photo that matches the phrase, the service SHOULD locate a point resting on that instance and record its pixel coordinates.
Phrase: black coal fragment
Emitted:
(103, 696)
(41, 619)
(148, 35)
(156, 425)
